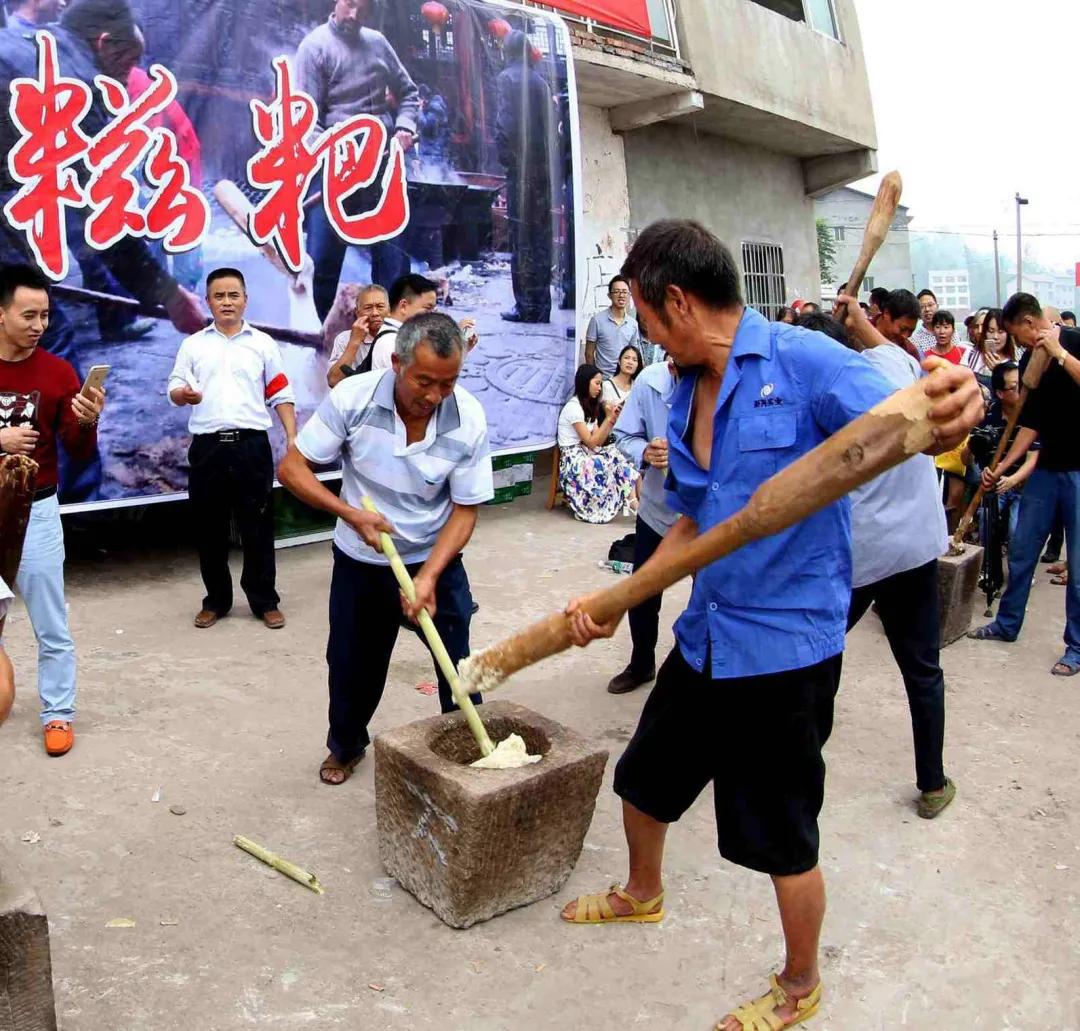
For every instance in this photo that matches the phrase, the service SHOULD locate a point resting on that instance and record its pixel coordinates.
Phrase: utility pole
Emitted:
(1020, 202)
(997, 271)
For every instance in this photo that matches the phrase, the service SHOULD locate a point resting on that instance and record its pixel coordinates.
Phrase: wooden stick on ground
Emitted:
(888, 434)
(297, 873)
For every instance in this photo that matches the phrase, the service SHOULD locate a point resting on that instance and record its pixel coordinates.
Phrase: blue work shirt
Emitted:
(643, 418)
(780, 603)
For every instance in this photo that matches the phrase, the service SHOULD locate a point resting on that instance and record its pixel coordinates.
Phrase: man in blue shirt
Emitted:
(641, 435)
(746, 698)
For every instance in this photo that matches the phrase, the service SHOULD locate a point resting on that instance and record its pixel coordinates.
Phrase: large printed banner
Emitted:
(144, 146)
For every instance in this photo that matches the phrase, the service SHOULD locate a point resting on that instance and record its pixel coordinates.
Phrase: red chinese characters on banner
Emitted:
(631, 15)
(48, 112)
(350, 155)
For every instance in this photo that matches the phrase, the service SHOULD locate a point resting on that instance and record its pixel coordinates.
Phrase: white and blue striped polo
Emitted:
(415, 486)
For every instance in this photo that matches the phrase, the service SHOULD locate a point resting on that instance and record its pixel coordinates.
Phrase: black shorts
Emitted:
(758, 739)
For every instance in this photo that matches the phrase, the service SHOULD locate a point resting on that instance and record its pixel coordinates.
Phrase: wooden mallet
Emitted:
(888, 434)
(877, 229)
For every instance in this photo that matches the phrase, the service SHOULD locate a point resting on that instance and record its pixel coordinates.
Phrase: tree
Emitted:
(826, 250)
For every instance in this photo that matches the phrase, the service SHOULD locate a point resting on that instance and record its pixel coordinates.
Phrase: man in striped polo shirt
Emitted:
(415, 443)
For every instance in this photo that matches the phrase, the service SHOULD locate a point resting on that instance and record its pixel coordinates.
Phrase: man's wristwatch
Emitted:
(1062, 357)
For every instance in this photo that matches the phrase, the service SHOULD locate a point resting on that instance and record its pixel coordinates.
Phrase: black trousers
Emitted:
(908, 603)
(645, 618)
(234, 478)
(529, 215)
(365, 617)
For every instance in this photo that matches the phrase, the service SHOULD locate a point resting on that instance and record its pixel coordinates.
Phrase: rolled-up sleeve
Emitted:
(631, 430)
(277, 388)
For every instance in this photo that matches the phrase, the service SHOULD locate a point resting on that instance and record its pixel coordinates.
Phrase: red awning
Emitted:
(632, 15)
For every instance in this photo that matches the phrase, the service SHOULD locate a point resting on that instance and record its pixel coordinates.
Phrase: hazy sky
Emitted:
(975, 100)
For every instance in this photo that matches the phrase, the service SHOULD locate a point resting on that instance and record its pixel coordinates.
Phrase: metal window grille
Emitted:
(763, 274)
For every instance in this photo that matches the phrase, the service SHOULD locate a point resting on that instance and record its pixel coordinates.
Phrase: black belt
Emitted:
(44, 493)
(232, 436)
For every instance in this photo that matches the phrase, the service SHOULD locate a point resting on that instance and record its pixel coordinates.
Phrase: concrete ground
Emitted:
(965, 922)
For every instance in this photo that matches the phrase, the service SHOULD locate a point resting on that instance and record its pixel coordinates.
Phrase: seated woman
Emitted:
(618, 386)
(595, 476)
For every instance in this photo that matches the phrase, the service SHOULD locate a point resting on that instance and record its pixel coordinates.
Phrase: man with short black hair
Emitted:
(878, 296)
(410, 295)
(898, 319)
(42, 408)
(1068, 318)
(412, 425)
(923, 337)
(1053, 489)
(229, 373)
(611, 330)
(758, 650)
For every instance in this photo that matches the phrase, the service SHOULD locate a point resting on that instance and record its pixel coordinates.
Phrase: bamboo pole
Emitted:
(438, 649)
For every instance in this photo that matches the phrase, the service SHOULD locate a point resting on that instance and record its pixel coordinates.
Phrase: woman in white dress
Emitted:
(617, 387)
(595, 476)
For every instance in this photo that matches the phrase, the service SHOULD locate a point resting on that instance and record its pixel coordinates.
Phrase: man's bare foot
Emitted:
(618, 904)
(787, 1011)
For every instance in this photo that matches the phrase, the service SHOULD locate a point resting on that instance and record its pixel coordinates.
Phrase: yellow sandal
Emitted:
(595, 909)
(760, 1015)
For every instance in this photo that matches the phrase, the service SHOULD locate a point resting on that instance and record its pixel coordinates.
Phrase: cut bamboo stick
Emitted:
(297, 873)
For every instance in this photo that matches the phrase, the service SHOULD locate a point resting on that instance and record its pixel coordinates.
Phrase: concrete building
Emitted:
(952, 288)
(845, 213)
(1059, 291)
(738, 113)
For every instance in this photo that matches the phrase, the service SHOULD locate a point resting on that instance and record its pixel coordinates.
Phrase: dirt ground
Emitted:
(965, 922)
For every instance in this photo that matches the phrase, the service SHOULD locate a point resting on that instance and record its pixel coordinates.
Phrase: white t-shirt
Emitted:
(341, 341)
(384, 346)
(613, 393)
(571, 413)
(5, 597)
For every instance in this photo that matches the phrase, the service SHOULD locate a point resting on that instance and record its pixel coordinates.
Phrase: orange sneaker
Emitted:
(59, 737)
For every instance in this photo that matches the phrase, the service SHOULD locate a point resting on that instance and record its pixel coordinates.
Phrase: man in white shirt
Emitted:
(352, 348)
(416, 444)
(230, 373)
(410, 295)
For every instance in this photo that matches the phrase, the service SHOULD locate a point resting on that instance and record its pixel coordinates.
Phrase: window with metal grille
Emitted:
(763, 274)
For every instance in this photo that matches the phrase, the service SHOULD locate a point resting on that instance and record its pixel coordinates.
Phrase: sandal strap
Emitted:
(639, 907)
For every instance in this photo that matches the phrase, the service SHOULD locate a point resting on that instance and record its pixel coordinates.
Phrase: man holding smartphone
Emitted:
(41, 407)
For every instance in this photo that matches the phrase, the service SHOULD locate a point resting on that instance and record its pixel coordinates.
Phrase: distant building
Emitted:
(952, 288)
(845, 212)
(1058, 291)
(738, 113)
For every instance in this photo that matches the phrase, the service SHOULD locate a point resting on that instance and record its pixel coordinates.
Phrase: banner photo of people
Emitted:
(318, 147)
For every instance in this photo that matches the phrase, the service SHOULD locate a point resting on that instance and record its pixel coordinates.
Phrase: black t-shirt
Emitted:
(1053, 411)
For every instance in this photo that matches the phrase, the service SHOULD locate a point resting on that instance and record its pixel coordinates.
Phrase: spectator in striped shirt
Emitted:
(415, 443)
(923, 337)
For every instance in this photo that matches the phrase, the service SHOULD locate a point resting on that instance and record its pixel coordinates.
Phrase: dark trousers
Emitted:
(1056, 540)
(388, 259)
(227, 479)
(908, 604)
(645, 618)
(529, 216)
(365, 617)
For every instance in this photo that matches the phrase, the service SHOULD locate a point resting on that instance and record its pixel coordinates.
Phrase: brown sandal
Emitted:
(331, 765)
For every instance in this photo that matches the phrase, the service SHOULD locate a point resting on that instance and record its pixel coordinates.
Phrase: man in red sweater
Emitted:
(41, 408)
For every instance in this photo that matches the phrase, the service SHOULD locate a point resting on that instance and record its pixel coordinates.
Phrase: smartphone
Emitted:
(95, 378)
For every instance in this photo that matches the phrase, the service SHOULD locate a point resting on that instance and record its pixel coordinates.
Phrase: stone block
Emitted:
(958, 583)
(26, 990)
(471, 844)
